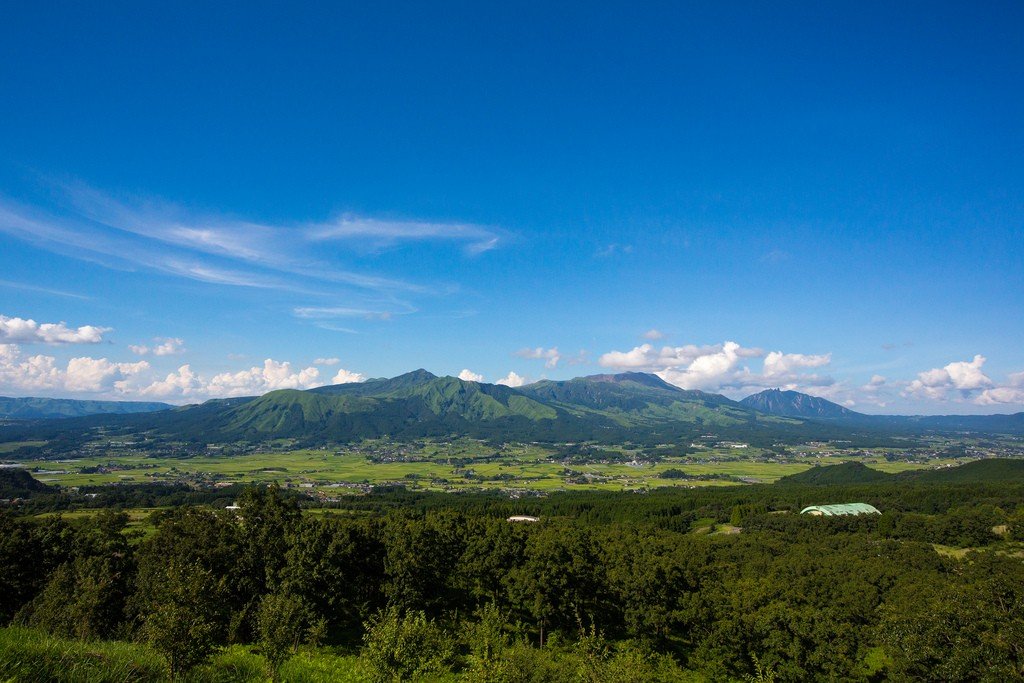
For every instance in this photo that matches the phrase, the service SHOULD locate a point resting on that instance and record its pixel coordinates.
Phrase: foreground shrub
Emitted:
(400, 647)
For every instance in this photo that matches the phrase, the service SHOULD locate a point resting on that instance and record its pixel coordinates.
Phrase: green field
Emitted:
(459, 465)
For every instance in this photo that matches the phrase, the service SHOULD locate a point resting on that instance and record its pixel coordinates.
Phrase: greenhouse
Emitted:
(840, 509)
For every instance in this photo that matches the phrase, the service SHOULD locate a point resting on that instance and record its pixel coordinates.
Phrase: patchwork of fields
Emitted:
(462, 465)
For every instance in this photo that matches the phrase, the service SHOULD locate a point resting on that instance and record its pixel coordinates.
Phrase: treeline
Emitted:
(449, 590)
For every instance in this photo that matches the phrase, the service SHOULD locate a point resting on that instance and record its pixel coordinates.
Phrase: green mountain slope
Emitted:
(846, 473)
(988, 471)
(636, 399)
(51, 408)
(795, 404)
(630, 407)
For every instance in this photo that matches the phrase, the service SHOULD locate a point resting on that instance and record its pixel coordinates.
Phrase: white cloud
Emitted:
(647, 357)
(876, 381)
(334, 312)
(380, 233)
(721, 367)
(468, 375)
(1000, 395)
(28, 374)
(28, 331)
(512, 380)
(181, 383)
(963, 376)
(82, 374)
(99, 374)
(165, 346)
(549, 356)
(778, 364)
(1011, 392)
(327, 361)
(169, 346)
(344, 376)
(133, 233)
(653, 334)
(706, 371)
(271, 376)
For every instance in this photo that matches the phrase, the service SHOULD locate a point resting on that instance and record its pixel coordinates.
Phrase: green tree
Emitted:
(281, 624)
(177, 622)
(400, 647)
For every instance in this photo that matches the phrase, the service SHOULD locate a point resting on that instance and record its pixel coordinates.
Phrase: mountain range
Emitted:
(51, 408)
(637, 407)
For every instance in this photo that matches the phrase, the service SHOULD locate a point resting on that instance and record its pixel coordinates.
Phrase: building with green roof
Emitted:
(840, 509)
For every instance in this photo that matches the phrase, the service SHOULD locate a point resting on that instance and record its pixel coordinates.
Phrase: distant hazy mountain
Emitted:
(795, 404)
(49, 408)
(798, 405)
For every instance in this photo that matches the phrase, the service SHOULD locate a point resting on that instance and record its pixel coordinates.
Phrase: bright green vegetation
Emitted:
(633, 408)
(468, 464)
(711, 583)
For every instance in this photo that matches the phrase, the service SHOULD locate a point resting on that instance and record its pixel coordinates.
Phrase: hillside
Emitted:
(628, 407)
(795, 404)
(829, 475)
(17, 483)
(633, 407)
(988, 471)
(52, 408)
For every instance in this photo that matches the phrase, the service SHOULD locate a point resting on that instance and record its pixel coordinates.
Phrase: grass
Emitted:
(12, 446)
(31, 655)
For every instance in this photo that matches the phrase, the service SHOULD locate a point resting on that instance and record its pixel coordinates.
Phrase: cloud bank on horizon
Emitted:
(728, 367)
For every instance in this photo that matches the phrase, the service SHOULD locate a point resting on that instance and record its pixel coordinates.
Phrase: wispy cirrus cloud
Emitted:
(375, 233)
(142, 234)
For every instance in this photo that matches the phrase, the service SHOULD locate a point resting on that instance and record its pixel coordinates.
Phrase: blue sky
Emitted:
(201, 201)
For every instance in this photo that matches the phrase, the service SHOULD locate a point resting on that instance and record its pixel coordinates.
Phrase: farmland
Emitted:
(467, 464)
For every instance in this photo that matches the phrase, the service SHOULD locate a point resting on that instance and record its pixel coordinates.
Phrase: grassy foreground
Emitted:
(32, 655)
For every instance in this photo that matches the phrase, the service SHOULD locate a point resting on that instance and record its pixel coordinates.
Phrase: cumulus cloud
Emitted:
(1012, 392)
(28, 331)
(165, 346)
(648, 358)
(272, 375)
(468, 375)
(962, 376)
(778, 364)
(326, 361)
(181, 383)
(82, 374)
(653, 334)
(512, 380)
(99, 374)
(27, 374)
(721, 367)
(549, 356)
(1000, 396)
(343, 376)
(706, 371)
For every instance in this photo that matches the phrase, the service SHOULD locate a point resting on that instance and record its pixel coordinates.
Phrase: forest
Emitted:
(701, 584)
